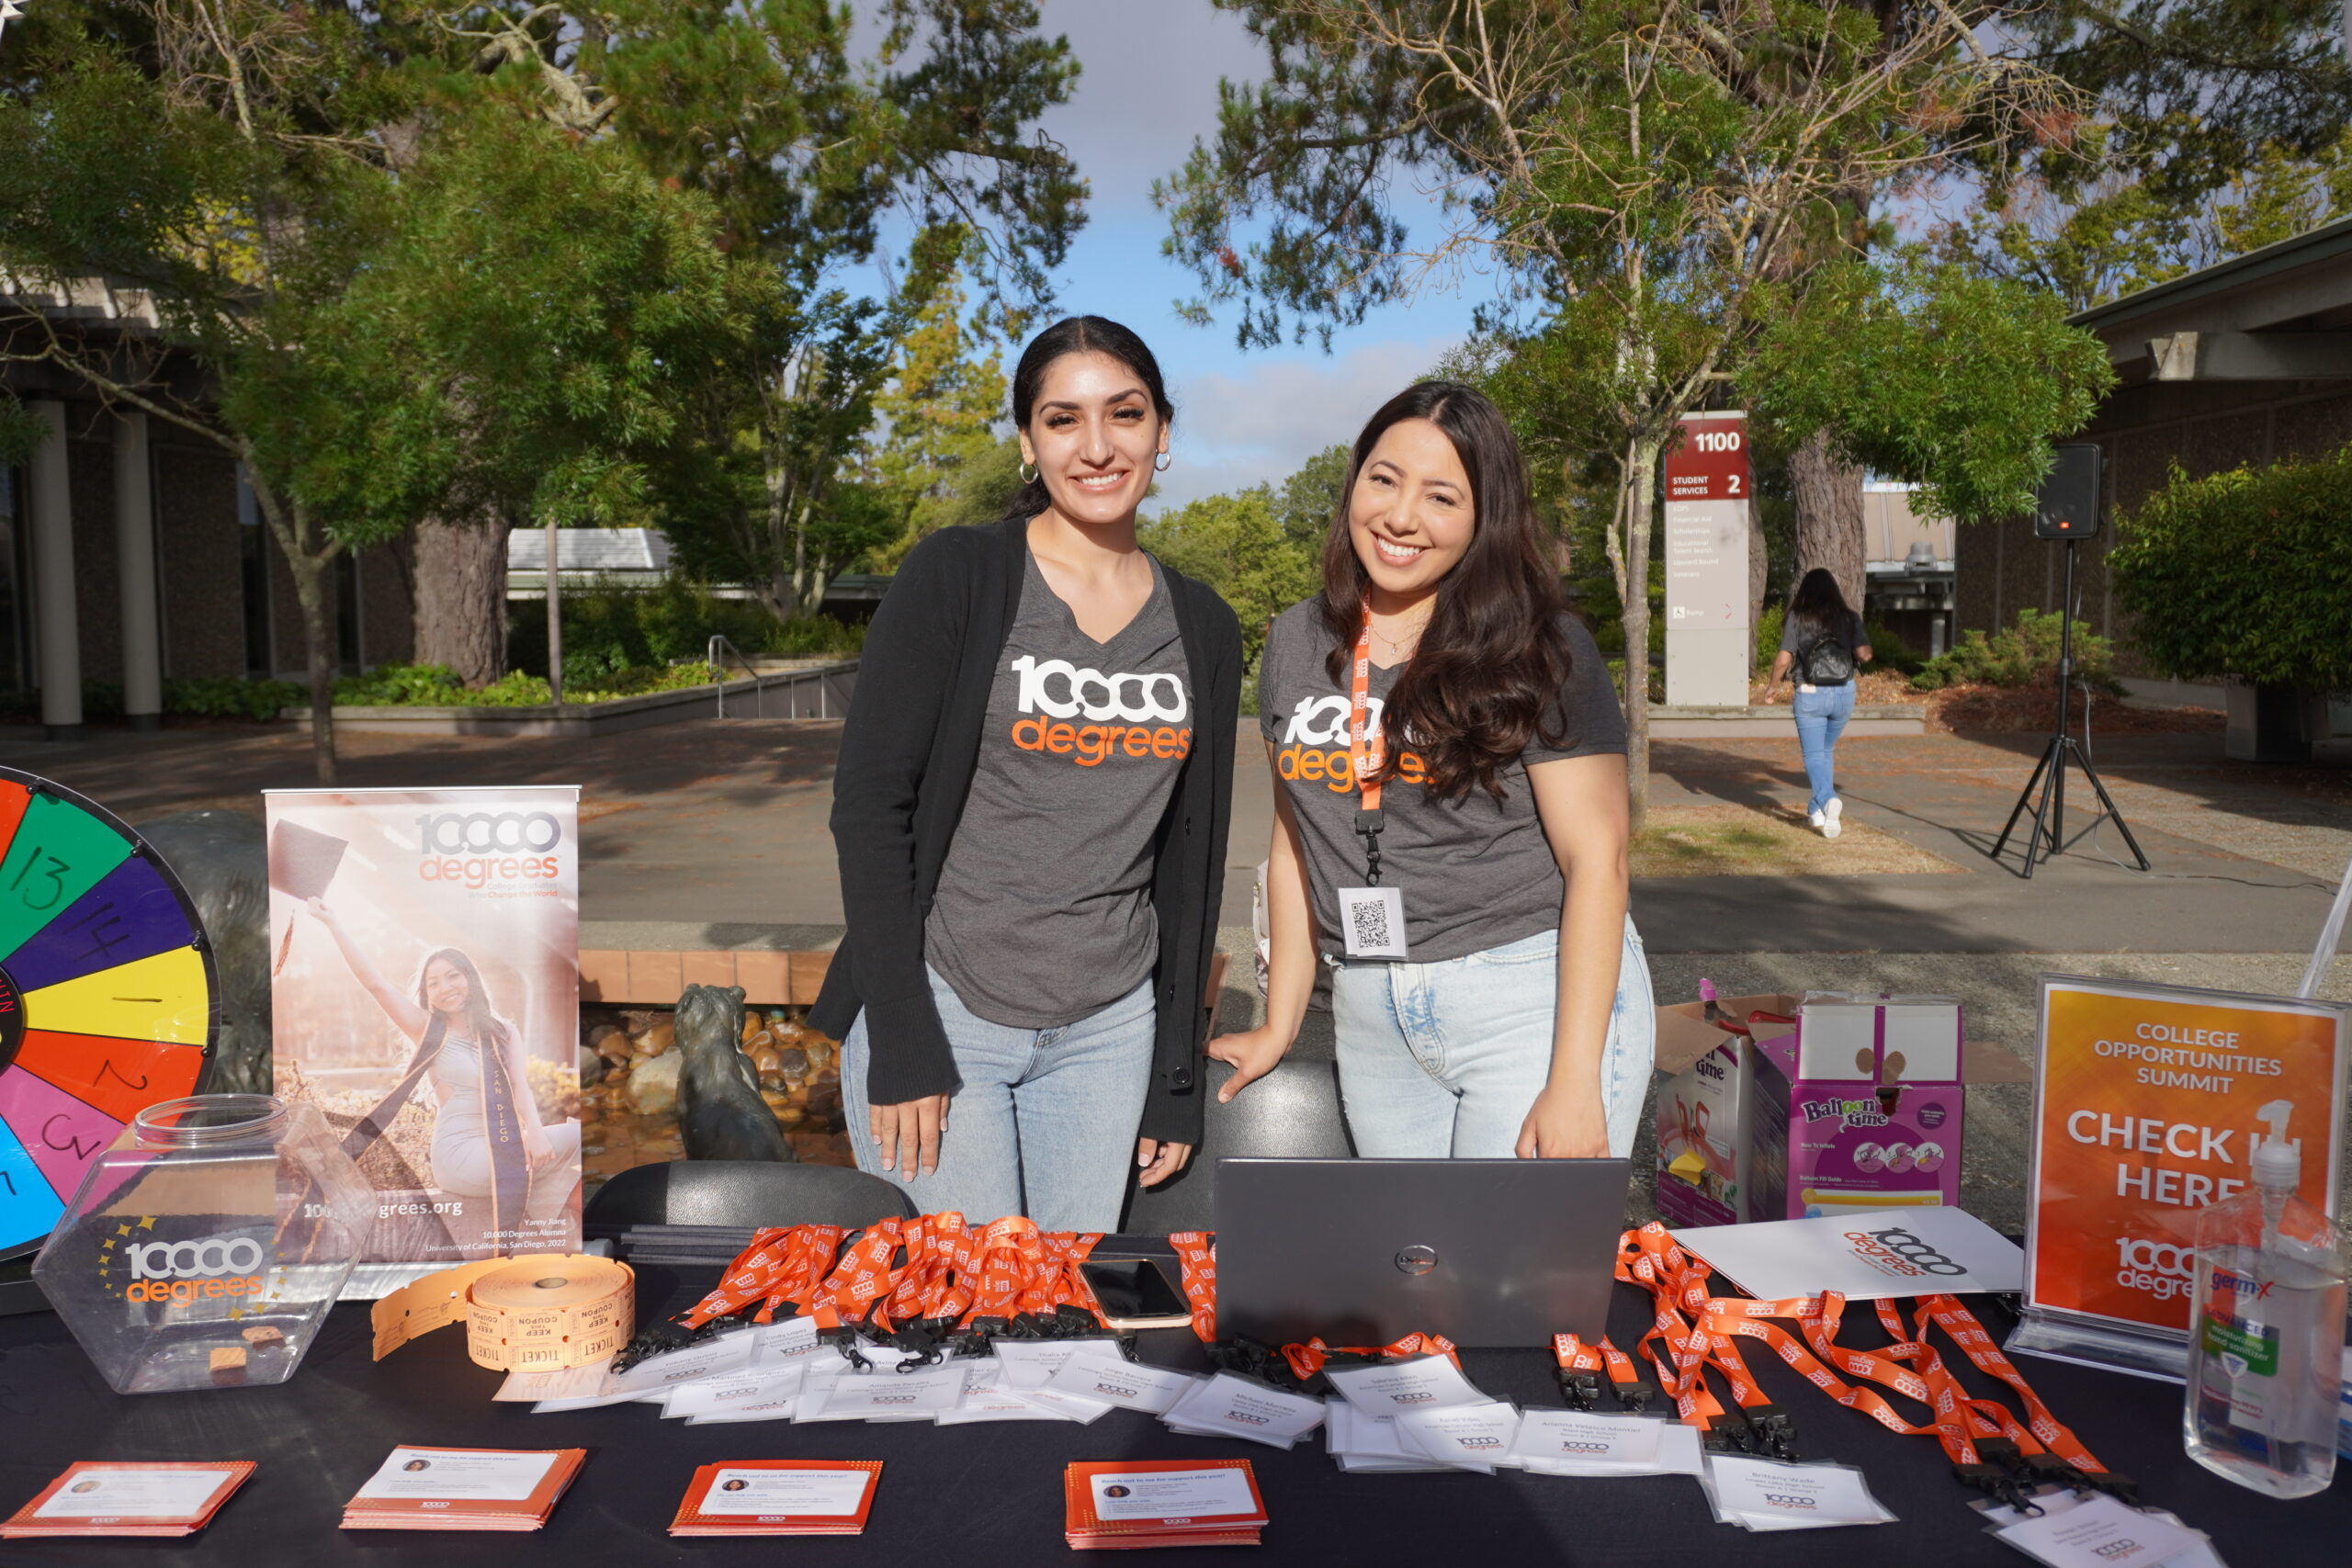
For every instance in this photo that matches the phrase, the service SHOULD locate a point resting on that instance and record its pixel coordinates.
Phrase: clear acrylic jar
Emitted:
(207, 1244)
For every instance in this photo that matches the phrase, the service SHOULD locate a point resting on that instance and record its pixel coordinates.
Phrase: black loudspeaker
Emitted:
(2066, 506)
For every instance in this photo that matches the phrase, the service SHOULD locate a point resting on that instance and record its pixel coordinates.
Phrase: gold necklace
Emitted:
(1400, 650)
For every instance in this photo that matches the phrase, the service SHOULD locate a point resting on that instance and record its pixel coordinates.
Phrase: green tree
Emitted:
(938, 415)
(1310, 498)
(191, 152)
(1642, 177)
(1236, 545)
(760, 106)
(520, 348)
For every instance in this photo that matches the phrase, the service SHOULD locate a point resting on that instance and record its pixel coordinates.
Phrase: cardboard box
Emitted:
(1859, 1102)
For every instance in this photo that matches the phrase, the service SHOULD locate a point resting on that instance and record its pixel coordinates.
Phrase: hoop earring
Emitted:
(1028, 472)
(1159, 463)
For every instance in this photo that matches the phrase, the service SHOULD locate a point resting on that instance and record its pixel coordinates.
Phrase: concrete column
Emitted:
(60, 623)
(134, 540)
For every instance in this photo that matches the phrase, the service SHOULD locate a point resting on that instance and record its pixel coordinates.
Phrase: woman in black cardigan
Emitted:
(1030, 811)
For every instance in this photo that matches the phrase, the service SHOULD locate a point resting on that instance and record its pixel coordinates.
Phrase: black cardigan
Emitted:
(909, 749)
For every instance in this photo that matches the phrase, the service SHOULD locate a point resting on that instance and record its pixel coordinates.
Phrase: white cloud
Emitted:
(1265, 416)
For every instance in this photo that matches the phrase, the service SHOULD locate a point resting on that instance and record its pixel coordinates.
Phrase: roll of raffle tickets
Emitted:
(538, 1314)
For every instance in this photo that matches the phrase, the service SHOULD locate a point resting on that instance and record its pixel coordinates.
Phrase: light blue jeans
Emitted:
(1446, 1059)
(1041, 1122)
(1821, 715)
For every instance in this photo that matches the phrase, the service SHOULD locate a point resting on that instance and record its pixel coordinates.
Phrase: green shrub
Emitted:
(1889, 651)
(224, 696)
(611, 628)
(1768, 627)
(2242, 573)
(2025, 654)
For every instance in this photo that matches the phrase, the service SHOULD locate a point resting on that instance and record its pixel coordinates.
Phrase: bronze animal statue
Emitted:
(720, 1113)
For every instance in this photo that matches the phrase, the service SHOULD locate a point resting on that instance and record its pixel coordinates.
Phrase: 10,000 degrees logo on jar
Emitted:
(213, 1267)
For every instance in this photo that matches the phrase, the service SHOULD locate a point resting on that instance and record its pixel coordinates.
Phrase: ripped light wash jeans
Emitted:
(1446, 1059)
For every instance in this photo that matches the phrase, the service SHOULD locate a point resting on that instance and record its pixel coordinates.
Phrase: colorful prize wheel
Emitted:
(108, 1003)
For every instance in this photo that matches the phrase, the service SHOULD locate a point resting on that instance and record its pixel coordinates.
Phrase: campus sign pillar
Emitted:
(1710, 646)
(59, 643)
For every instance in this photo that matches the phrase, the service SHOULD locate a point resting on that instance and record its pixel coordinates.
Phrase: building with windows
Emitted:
(131, 552)
(2248, 361)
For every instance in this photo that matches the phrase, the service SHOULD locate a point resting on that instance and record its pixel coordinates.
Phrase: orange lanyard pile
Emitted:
(780, 1269)
(918, 1281)
(1367, 752)
(1693, 1331)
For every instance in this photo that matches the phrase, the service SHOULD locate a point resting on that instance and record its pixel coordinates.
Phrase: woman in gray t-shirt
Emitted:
(1490, 996)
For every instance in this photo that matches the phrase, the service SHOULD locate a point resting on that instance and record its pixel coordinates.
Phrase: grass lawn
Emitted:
(1732, 841)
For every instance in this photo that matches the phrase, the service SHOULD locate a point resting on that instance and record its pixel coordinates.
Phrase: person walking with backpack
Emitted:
(1823, 648)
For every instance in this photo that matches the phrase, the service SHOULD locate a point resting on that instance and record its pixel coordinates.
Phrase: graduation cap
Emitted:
(303, 861)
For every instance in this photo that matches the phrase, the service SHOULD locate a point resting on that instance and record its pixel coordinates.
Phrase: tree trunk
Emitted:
(307, 561)
(1642, 482)
(459, 613)
(1829, 516)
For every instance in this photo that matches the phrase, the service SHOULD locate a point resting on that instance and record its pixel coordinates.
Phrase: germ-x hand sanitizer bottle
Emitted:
(2266, 1329)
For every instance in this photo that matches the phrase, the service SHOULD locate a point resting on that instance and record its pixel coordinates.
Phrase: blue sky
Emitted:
(1148, 88)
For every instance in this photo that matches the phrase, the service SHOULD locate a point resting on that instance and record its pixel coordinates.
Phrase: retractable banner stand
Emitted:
(426, 999)
(2149, 1102)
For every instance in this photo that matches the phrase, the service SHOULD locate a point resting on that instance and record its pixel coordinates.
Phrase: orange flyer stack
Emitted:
(1133, 1503)
(463, 1489)
(779, 1496)
(129, 1499)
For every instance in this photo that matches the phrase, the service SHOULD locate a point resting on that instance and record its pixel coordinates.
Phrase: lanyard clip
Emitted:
(1635, 1396)
(1581, 1390)
(1998, 1484)
(1772, 1433)
(1368, 825)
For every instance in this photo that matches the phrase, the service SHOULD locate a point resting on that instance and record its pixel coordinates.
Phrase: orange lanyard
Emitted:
(1989, 1449)
(1367, 749)
(779, 1268)
(1196, 1262)
(1308, 1360)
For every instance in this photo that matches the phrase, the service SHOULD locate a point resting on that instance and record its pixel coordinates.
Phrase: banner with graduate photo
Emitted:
(426, 991)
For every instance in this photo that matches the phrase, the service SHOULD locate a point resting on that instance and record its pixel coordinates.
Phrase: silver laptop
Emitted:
(1487, 1252)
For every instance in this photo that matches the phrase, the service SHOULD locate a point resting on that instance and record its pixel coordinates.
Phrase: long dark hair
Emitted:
(489, 1028)
(1817, 609)
(1077, 335)
(1486, 675)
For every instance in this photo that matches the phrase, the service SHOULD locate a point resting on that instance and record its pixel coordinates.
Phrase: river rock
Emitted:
(653, 1085)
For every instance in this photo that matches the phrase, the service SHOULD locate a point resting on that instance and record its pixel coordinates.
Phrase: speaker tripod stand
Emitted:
(2050, 773)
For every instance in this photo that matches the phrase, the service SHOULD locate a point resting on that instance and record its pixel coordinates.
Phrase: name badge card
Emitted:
(1389, 1388)
(1371, 921)
(1473, 1437)
(1106, 1375)
(761, 1386)
(1030, 1363)
(882, 1397)
(2102, 1532)
(129, 1499)
(1361, 1442)
(1228, 1407)
(1761, 1494)
(986, 1398)
(1571, 1442)
(779, 1497)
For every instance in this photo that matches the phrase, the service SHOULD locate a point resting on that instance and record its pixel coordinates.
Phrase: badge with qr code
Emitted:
(1372, 919)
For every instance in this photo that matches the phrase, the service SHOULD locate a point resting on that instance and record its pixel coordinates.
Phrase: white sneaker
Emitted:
(1830, 826)
(1815, 818)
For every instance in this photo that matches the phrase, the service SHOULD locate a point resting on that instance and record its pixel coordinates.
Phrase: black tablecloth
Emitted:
(992, 1494)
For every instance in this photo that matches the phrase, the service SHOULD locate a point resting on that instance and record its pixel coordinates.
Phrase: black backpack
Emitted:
(1825, 660)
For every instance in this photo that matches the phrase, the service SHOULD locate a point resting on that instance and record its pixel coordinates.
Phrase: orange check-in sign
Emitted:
(2149, 1102)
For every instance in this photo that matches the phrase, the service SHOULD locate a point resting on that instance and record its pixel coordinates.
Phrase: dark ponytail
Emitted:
(1077, 335)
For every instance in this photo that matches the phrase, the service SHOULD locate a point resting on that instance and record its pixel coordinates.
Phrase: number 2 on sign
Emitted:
(54, 874)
